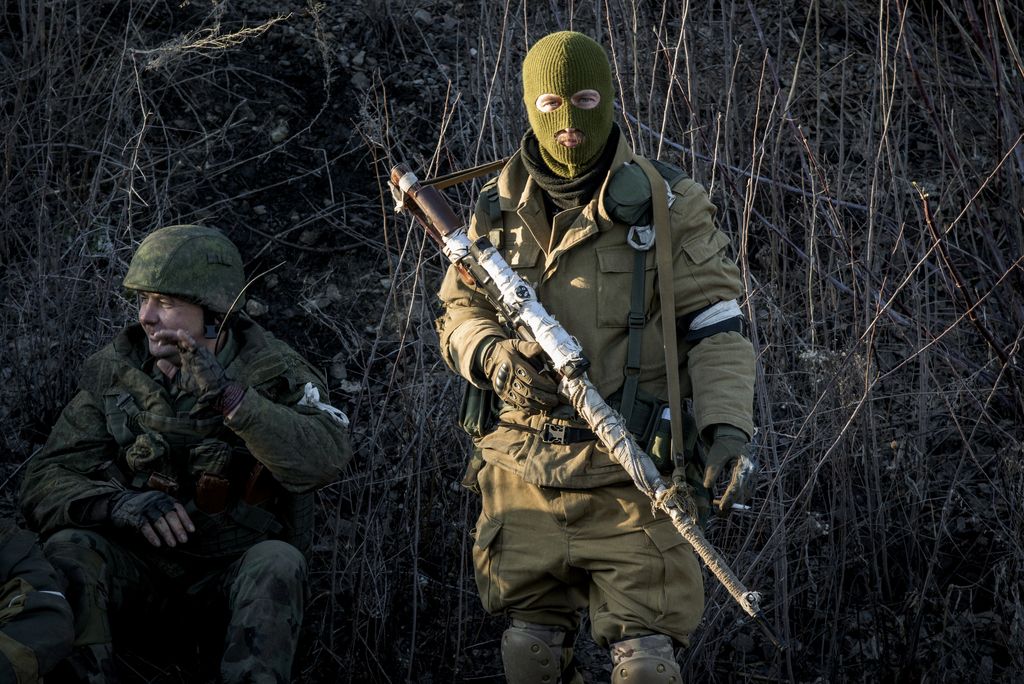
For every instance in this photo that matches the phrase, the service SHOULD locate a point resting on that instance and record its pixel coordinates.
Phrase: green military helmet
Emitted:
(193, 262)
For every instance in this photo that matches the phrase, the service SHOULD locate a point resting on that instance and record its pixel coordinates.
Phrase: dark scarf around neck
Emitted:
(567, 193)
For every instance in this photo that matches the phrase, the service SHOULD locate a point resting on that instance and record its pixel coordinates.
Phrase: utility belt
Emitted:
(648, 420)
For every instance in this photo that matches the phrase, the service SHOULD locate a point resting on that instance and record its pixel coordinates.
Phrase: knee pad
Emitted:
(645, 660)
(532, 653)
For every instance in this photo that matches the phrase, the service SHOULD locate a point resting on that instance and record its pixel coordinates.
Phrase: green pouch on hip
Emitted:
(479, 410)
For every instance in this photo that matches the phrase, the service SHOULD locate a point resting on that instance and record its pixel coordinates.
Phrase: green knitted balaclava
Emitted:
(563, 64)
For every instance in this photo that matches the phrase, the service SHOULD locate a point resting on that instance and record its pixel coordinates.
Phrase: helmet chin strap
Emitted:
(210, 330)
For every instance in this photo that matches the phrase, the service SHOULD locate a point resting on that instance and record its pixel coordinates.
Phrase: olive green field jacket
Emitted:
(583, 276)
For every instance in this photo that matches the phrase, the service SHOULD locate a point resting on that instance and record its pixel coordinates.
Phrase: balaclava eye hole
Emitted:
(565, 63)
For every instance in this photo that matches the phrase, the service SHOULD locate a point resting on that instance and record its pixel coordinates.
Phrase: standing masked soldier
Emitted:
(562, 525)
(179, 479)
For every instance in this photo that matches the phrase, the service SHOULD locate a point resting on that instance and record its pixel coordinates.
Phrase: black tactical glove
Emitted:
(202, 374)
(134, 510)
(730, 448)
(154, 514)
(514, 368)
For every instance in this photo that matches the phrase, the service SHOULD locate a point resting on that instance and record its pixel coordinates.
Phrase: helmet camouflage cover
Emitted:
(194, 262)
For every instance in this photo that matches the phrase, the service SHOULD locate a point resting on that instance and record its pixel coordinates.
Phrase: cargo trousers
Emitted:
(543, 553)
(113, 589)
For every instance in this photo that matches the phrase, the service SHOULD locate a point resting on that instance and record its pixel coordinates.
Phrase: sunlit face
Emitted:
(583, 99)
(164, 312)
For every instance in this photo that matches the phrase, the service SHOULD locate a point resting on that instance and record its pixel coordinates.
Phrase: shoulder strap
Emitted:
(635, 322)
(121, 411)
(489, 194)
(641, 243)
(663, 249)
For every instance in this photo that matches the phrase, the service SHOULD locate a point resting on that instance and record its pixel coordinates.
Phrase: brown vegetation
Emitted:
(867, 161)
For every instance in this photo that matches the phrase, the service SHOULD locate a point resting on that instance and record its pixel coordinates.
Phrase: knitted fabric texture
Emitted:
(563, 64)
(567, 193)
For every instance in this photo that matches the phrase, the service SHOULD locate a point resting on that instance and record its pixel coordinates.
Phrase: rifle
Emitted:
(481, 266)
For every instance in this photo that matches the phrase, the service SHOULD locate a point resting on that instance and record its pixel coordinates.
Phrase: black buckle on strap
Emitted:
(553, 434)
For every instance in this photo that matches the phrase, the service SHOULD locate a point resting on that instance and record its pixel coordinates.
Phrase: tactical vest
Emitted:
(232, 499)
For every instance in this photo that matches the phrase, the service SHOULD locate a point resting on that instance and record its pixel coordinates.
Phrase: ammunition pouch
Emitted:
(212, 492)
(209, 461)
(261, 486)
(478, 413)
(470, 478)
(651, 427)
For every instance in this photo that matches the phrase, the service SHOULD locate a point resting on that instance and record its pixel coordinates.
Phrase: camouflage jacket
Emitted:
(582, 271)
(36, 627)
(126, 430)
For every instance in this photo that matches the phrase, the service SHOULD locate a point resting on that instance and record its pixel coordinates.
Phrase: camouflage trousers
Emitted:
(115, 591)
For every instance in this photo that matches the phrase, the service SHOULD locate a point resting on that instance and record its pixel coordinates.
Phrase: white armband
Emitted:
(311, 397)
(716, 313)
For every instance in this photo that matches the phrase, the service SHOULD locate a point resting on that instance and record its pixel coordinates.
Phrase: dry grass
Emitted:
(866, 159)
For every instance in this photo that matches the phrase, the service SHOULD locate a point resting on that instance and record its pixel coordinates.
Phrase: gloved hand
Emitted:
(202, 375)
(688, 481)
(730, 448)
(514, 368)
(154, 514)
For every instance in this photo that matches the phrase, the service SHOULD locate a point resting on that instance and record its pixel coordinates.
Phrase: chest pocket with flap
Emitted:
(614, 284)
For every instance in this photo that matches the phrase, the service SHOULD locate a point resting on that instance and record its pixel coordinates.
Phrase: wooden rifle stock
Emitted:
(517, 302)
(430, 209)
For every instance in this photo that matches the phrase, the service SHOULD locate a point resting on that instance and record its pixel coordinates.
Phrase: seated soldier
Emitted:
(181, 474)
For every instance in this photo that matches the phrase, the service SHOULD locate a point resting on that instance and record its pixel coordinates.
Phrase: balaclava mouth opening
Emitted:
(563, 64)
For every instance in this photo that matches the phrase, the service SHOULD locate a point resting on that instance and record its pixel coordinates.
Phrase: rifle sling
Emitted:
(666, 290)
(635, 321)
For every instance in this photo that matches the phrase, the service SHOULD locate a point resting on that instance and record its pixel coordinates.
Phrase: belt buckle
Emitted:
(553, 434)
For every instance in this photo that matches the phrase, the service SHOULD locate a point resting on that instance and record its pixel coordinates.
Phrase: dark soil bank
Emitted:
(866, 160)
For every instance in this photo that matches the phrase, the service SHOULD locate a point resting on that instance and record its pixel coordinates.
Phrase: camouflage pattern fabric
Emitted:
(265, 597)
(195, 262)
(260, 596)
(35, 619)
(268, 456)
